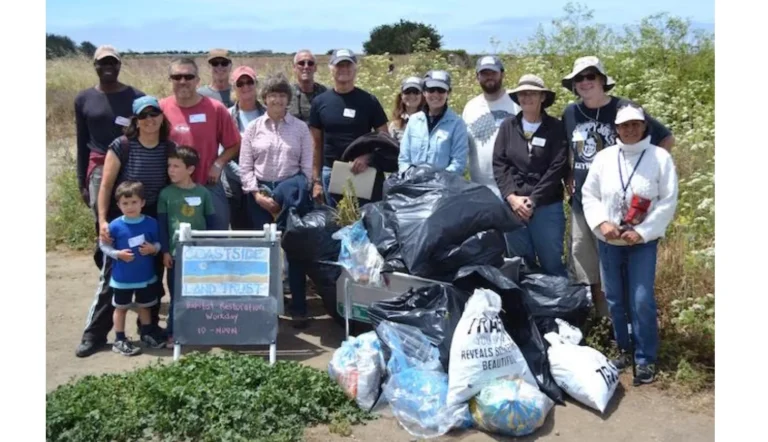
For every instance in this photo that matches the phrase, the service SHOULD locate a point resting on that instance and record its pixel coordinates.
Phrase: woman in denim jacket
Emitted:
(436, 135)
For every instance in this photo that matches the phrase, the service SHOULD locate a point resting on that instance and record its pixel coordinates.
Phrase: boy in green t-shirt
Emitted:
(181, 202)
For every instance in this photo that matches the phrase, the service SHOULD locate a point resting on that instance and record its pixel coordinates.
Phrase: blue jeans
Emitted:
(220, 206)
(541, 238)
(297, 279)
(331, 202)
(640, 261)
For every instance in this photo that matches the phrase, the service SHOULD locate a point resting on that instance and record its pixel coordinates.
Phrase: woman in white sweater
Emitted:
(629, 198)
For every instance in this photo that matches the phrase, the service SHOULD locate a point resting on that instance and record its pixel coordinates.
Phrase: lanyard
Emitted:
(621, 174)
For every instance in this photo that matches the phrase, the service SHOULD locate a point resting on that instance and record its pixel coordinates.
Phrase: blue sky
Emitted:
(285, 26)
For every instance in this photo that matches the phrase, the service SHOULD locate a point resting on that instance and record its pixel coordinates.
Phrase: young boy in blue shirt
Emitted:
(135, 243)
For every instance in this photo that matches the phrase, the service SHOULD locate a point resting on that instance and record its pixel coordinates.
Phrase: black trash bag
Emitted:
(517, 321)
(432, 213)
(435, 310)
(381, 230)
(551, 297)
(484, 248)
(310, 238)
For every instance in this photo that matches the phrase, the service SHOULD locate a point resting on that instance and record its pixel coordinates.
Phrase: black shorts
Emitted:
(144, 298)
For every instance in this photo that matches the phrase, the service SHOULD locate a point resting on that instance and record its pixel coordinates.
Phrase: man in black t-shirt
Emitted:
(101, 114)
(589, 126)
(337, 118)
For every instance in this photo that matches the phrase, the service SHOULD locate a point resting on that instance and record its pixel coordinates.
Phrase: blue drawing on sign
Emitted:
(225, 271)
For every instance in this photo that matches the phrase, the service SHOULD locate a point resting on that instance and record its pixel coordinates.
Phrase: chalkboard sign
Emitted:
(228, 292)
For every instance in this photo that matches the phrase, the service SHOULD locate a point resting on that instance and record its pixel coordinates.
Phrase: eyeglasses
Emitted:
(579, 78)
(248, 82)
(178, 77)
(151, 113)
(411, 91)
(436, 90)
(217, 63)
(107, 61)
(309, 63)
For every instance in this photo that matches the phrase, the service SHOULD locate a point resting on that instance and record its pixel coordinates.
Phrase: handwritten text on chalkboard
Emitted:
(225, 271)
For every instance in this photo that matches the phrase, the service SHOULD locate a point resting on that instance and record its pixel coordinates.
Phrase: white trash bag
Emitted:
(358, 367)
(582, 372)
(568, 332)
(482, 351)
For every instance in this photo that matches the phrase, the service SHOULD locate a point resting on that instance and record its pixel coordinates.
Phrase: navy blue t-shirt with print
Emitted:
(343, 118)
(147, 166)
(589, 131)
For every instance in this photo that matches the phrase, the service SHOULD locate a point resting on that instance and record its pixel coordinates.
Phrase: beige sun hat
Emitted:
(530, 82)
(583, 63)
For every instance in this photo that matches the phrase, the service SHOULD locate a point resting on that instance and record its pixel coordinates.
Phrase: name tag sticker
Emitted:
(539, 141)
(197, 118)
(136, 241)
(349, 113)
(193, 201)
(122, 121)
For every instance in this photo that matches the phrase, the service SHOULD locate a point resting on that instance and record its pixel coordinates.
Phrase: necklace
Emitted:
(597, 117)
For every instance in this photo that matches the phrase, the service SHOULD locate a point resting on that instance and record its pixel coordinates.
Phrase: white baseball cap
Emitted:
(629, 113)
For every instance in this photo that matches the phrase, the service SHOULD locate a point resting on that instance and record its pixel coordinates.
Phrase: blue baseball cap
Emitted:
(144, 102)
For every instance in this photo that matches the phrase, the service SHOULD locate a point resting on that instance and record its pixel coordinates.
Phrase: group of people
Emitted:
(238, 154)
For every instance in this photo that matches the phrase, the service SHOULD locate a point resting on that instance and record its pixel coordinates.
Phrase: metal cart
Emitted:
(353, 299)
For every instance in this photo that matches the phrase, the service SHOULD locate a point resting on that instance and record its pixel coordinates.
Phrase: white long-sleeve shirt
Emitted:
(655, 179)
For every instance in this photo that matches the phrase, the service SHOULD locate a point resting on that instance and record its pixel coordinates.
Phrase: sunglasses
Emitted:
(411, 91)
(150, 113)
(217, 63)
(178, 77)
(579, 78)
(436, 90)
(107, 61)
(248, 82)
(309, 63)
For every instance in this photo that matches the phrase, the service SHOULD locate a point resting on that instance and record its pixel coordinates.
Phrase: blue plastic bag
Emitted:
(359, 256)
(510, 407)
(358, 367)
(417, 385)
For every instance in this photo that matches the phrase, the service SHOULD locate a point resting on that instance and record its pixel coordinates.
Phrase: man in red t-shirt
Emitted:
(202, 123)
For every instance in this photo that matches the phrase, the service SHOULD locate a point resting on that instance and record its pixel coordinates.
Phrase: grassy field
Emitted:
(661, 64)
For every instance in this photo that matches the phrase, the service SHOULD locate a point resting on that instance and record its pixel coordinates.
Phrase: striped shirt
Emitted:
(148, 166)
(270, 153)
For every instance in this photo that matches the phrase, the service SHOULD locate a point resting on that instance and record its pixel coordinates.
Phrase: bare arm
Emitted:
(317, 160)
(109, 176)
(668, 143)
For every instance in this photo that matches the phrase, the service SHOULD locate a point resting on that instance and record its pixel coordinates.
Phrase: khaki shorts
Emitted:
(583, 257)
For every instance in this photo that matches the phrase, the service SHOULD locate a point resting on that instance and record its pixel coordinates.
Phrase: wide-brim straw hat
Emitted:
(530, 82)
(583, 63)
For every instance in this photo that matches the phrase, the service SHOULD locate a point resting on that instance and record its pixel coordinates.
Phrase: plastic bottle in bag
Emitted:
(510, 407)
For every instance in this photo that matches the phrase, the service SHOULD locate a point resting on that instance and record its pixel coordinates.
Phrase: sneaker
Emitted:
(87, 348)
(152, 340)
(125, 348)
(645, 374)
(623, 361)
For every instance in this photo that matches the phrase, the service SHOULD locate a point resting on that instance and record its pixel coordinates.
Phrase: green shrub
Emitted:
(70, 222)
(203, 397)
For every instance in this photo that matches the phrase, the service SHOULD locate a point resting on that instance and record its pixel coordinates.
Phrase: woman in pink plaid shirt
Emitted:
(275, 163)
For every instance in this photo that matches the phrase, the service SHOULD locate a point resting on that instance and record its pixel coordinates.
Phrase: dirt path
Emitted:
(635, 414)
